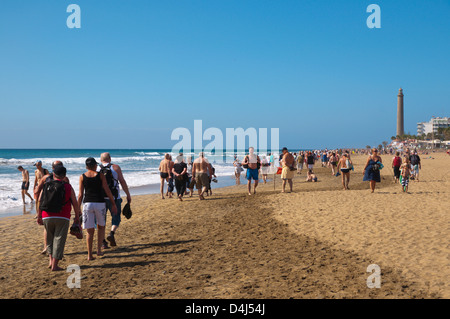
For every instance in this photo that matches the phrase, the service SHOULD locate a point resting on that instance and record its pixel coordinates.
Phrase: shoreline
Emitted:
(150, 189)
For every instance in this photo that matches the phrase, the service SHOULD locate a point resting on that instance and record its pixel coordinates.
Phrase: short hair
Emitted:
(19, 167)
(56, 163)
(105, 157)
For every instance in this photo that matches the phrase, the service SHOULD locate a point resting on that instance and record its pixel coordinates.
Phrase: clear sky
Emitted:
(136, 70)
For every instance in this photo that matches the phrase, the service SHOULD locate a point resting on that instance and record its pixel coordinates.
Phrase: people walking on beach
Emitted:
(372, 169)
(170, 184)
(57, 201)
(39, 173)
(164, 171)
(253, 163)
(415, 164)
(114, 178)
(189, 185)
(288, 169)
(211, 173)
(405, 173)
(200, 171)
(345, 164)
(264, 169)
(38, 191)
(300, 161)
(91, 198)
(333, 163)
(324, 159)
(396, 163)
(237, 170)
(310, 160)
(25, 183)
(179, 171)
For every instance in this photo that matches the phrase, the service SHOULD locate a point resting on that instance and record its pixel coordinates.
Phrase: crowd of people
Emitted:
(99, 188)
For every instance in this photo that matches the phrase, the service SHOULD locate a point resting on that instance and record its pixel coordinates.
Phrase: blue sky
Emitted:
(136, 70)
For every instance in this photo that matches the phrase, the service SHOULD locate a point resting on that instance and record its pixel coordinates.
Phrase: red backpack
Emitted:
(397, 161)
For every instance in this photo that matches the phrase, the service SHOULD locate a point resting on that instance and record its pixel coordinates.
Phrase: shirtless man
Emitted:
(39, 173)
(288, 164)
(25, 183)
(164, 172)
(200, 170)
(253, 162)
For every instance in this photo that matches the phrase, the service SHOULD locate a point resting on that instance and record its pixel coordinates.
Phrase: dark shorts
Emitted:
(164, 175)
(252, 174)
(397, 172)
(345, 170)
(25, 185)
(116, 219)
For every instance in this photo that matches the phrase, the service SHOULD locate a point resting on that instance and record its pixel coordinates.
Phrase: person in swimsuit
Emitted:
(25, 183)
(237, 170)
(164, 170)
(288, 169)
(371, 169)
(91, 198)
(405, 173)
(253, 163)
(200, 171)
(264, 169)
(345, 164)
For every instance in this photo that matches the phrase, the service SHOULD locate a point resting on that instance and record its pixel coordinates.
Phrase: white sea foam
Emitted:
(139, 169)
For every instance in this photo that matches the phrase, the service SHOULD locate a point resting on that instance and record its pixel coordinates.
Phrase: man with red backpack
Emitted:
(396, 163)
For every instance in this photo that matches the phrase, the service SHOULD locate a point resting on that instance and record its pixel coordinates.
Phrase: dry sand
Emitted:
(314, 243)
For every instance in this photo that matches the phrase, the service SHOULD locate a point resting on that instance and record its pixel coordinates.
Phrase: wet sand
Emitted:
(314, 243)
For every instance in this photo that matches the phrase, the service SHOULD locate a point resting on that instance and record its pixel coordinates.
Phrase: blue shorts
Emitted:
(252, 173)
(115, 218)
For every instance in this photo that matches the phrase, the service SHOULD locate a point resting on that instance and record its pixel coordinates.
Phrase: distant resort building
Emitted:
(424, 128)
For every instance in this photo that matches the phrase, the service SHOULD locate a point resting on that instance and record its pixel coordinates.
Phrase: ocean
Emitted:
(139, 166)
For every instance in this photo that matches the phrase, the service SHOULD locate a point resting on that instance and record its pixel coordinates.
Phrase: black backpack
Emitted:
(53, 196)
(112, 183)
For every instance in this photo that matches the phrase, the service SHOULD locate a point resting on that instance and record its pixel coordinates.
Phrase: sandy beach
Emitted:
(316, 242)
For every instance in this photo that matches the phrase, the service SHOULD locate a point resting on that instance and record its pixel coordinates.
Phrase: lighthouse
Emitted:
(400, 127)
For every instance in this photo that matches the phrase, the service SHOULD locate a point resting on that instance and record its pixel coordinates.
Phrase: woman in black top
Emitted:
(179, 171)
(93, 188)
